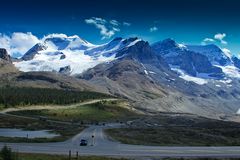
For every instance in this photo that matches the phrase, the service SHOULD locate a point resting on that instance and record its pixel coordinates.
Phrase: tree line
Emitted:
(14, 96)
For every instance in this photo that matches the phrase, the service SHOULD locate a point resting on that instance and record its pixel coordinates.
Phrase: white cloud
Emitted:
(18, 43)
(153, 29)
(126, 24)
(208, 40)
(114, 22)
(4, 41)
(107, 28)
(59, 35)
(220, 37)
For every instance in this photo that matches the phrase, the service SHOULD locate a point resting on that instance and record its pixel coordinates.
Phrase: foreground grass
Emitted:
(21, 156)
(178, 136)
(56, 157)
(64, 130)
(92, 113)
(27, 156)
(200, 158)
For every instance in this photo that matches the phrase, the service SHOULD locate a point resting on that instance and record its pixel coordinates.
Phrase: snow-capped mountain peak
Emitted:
(34, 50)
(73, 55)
(200, 61)
(110, 49)
(58, 52)
(215, 55)
(61, 41)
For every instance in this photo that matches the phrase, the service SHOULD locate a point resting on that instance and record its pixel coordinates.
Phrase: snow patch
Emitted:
(182, 46)
(151, 72)
(187, 77)
(238, 111)
(230, 71)
(133, 43)
(227, 52)
(226, 81)
(145, 71)
(165, 73)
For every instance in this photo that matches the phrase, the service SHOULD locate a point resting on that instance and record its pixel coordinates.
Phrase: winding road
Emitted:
(102, 146)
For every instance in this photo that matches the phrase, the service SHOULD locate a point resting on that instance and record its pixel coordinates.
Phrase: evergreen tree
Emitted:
(6, 153)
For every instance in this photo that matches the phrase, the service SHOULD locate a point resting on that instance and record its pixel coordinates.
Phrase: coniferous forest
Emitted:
(14, 96)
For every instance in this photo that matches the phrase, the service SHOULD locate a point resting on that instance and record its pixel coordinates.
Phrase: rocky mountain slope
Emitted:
(165, 76)
(11, 76)
(6, 66)
(150, 84)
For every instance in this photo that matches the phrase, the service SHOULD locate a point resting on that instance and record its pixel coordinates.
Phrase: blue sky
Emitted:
(98, 21)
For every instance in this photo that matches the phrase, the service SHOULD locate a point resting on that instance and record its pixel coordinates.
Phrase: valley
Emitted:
(119, 80)
(66, 121)
(128, 98)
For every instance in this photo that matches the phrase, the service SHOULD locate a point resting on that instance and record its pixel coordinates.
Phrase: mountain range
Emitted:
(160, 77)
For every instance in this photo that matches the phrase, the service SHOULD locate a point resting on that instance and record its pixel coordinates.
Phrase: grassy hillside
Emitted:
(75, 119)
(96, 112)
(14, 96)
(178, 130)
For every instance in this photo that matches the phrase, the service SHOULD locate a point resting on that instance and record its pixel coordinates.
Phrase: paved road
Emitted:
(103, 146)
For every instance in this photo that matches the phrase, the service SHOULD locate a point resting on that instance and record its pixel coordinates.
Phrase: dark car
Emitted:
(83, 142)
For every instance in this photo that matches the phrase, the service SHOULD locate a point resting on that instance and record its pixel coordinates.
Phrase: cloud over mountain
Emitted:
(217, 37)
(18, 43)
(220, 37)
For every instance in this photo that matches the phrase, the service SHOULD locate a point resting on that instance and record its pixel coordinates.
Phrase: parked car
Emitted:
(83, 142)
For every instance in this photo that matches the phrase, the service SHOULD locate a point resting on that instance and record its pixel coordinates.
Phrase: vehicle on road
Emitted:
(83, 142)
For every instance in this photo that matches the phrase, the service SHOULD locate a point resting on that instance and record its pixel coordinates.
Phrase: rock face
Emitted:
(4, 55)
(236, 62)
(33, 51)
(214, 54)
(191, 62)
(144, 78)
(6, 66)
(65, 70)
(63, 56)
(143, 53)
(194, 63)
